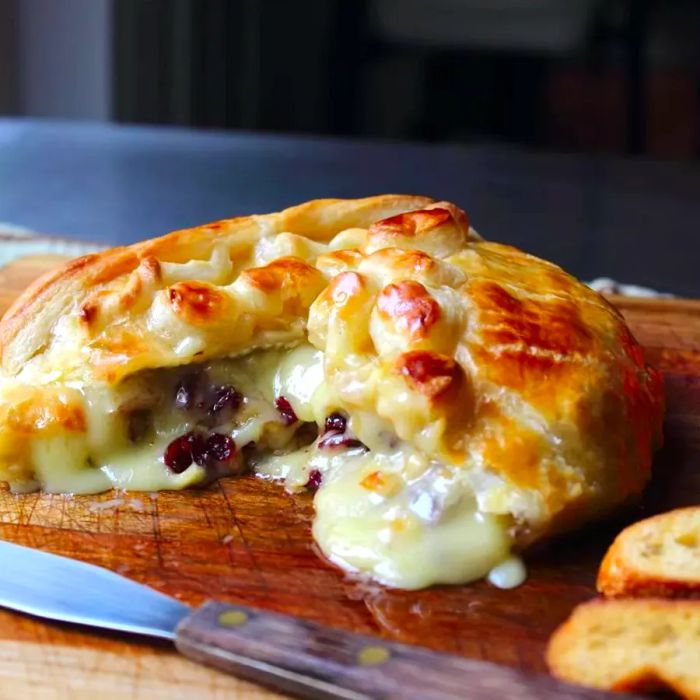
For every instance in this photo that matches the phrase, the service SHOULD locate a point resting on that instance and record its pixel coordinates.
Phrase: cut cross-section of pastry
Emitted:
(450, 400)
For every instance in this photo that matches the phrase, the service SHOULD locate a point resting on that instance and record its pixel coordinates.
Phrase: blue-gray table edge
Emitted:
(634, 220)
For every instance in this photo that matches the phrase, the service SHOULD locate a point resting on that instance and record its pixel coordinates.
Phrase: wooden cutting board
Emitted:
(245, 540)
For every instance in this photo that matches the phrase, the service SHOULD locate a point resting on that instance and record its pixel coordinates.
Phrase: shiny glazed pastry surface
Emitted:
(450, 400)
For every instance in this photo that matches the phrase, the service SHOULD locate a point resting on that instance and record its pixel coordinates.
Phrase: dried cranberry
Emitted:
(206, 452)
(220, 448)
(285, 410)
(178, 454)
(336, 422)
(226, 397)
(335, 440)
(187, 390)
(198, 447)
(315, 479)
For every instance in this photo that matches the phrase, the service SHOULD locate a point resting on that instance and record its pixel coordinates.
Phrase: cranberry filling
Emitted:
(335, 440)
(336, 422)
(225, 397)
(187, 390)
(336, 436)
(178, 454)
(198, 447)
(220, 448)
(214, 450)
(285, 410)
(195, 392)
(315, 479)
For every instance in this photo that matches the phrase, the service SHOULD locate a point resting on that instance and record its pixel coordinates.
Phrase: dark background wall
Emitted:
(614, 76)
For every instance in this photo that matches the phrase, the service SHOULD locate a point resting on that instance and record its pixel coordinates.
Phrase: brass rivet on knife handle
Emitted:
(373, 656)
(304, 658)
(232, 618)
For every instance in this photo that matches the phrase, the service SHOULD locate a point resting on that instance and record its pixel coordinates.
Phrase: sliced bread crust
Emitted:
(630, 645)
(655, 557)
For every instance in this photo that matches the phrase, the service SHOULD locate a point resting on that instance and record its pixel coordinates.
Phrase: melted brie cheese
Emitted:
(408, 535)
(384, 511)
(374, 518)
(104, 457)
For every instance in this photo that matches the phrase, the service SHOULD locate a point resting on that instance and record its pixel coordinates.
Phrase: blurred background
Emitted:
(605, 76)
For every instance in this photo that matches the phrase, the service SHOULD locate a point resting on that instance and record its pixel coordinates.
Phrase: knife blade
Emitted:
(282, 652)
(58, 588)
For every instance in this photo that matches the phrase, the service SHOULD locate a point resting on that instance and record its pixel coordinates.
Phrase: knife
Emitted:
(285, 653)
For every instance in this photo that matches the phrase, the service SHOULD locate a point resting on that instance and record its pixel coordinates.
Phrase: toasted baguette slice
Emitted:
(656, 557)
(630, 645)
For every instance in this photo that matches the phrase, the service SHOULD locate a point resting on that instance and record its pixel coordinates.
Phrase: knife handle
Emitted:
(303, 658)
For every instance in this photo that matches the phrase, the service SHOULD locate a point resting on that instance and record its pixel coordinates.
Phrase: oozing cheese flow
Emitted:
(382, 508)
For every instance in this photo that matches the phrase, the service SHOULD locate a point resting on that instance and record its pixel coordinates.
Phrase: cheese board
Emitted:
(245, 540)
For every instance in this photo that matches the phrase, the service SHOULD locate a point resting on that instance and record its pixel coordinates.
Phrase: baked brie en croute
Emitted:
(450, 400)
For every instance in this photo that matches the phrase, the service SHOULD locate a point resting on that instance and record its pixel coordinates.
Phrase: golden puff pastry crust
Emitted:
(492, 368)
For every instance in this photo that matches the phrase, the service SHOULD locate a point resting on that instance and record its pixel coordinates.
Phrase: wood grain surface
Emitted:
(245, 540)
